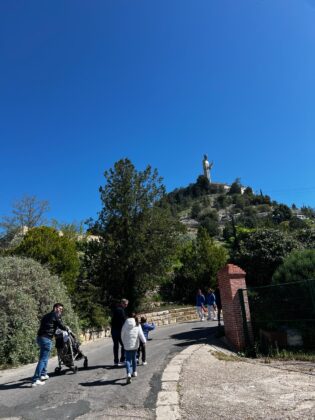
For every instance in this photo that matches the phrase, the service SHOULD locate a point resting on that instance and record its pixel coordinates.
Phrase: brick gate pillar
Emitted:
(231, 278)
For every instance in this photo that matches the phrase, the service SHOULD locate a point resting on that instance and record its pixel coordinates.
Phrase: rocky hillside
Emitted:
(221, 207)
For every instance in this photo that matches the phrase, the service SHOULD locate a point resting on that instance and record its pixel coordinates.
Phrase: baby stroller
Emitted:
(68, 349)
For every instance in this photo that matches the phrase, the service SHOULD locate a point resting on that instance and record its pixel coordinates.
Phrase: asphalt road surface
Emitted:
(100, 391)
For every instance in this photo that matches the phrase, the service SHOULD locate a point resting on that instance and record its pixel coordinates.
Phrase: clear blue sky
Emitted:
(85, 83)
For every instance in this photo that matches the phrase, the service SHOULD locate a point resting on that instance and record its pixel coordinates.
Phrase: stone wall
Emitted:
(166, 317)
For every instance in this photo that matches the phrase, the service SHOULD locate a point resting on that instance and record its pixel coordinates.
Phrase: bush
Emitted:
(45, 245)
(27, 292)
(297, 266)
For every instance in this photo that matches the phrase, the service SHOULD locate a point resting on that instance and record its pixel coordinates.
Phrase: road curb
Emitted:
(167, 405)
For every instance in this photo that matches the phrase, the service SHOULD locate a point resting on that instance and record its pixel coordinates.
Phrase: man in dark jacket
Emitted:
(118, 319)
(219, 304)
(48, 325)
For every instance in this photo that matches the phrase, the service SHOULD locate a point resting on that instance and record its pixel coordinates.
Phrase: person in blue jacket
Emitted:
(211, 304)
(146, 327)
(200, 305)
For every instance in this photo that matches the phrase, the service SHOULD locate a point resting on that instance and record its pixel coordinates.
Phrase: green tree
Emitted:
(296, 223)
(87, 297)
(27, 292)
(138, 235)
(297, 266)
(260, 253)
(195, 210)
(57, 252)
(74, 230)
(211, 226)
(200, 261)
(236, 187)
(306, 237)
(281, 213)
(222, 201)
(308, 212)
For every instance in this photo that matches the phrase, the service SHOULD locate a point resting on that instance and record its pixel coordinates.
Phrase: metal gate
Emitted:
(282, 316)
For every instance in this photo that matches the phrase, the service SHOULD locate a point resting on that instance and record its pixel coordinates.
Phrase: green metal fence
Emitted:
(282, 316)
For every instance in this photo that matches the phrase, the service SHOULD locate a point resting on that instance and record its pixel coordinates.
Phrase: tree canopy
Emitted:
(138, 234)
(200, 260)
(260, 252)
(50, 248)
(297, 266)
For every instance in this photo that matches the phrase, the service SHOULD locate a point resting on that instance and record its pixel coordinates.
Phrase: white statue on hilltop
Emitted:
(207, 167)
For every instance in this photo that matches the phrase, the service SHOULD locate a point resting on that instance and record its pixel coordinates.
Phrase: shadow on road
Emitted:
(101, 367)
(117, 381)
(26, 382)
(22, 383)
(198, 335)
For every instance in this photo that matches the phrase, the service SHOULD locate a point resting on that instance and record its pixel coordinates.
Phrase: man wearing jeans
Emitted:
(48, 325)
(118, 319)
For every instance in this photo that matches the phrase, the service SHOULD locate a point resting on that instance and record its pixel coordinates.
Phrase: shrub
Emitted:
(45, 245)
(297, 266)
(27, 292)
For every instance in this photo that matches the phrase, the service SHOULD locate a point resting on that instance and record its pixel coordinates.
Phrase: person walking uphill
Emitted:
(146, 327)
(131, 335)
(48, 325)
(219, 304)
(118, 319)
(211, 304)
(200, 305)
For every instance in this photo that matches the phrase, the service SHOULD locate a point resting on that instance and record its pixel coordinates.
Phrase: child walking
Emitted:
(131, 335)
(146, 327)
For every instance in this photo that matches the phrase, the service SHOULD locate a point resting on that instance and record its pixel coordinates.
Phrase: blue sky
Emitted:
(85, 83)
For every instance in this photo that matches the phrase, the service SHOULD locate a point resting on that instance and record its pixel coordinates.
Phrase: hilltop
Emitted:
(221, 207)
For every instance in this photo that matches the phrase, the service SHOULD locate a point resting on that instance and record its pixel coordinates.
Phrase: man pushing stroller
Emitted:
(48, 326)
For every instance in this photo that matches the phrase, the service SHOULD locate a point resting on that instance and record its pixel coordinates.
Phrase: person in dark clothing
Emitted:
(118, 319)
(218, 303)
(48, 325)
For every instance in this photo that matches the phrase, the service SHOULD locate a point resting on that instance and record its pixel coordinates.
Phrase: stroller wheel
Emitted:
(74, 369)
(58, 370)
(85, 363)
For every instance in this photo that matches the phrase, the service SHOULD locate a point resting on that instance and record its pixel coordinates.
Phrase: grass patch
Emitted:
(287, 355)
(225, 357)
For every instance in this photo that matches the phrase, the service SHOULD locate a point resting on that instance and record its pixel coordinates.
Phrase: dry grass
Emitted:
(225, 357)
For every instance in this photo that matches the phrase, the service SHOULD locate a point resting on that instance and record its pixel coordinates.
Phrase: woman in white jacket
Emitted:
(131, 335)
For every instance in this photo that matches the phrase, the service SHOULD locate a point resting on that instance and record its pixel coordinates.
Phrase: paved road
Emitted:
(99, 391)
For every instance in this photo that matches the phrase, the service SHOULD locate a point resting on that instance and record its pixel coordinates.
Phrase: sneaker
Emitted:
(37, 382)
(44, 377)
(128, 378)
(135, 374)
(144, 363)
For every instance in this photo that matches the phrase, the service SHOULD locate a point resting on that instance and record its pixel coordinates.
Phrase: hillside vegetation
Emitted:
(145, 245)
